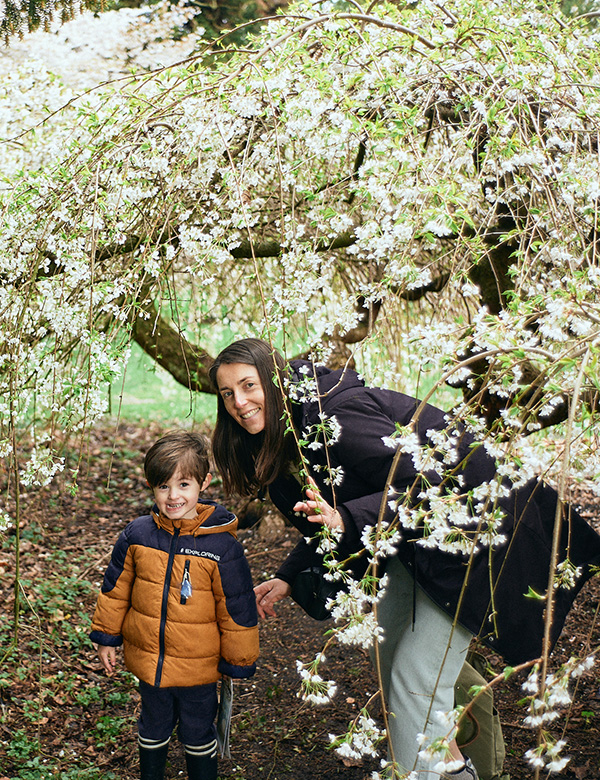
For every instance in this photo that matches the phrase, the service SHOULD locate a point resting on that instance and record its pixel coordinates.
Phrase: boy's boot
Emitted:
(153, 758)
(201, 761)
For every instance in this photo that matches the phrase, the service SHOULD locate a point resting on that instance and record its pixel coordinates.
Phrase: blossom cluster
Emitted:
(314, 688)
(547, 699)
(361, 739)
(352, 609)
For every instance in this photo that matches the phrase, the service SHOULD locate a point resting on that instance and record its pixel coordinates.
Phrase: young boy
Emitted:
(178, 595)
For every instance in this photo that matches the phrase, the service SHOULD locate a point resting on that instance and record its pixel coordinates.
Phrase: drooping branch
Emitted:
(248, 249)
(538, 411)
(437, 284)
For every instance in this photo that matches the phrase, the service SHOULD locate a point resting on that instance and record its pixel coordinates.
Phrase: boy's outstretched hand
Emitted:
(108, 658)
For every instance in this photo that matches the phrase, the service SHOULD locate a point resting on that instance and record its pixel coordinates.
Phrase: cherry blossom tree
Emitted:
(18, 16)
(412, 188)
(408, 165)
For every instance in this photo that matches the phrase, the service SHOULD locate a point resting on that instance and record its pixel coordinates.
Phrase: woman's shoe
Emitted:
(468, 772)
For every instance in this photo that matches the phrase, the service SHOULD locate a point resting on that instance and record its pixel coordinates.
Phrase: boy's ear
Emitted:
(206, 482)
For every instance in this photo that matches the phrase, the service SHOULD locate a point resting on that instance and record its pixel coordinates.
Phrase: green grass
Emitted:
(151, 393)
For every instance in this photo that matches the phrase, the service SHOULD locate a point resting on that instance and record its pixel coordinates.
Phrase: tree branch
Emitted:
(248, 249)
(186, 363)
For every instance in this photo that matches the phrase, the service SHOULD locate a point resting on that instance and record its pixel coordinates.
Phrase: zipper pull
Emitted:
(186, 584)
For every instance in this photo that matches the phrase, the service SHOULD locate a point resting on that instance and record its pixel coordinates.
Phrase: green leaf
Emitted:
(532, 594)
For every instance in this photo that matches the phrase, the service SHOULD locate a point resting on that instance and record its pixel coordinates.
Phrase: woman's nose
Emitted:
(239, 400)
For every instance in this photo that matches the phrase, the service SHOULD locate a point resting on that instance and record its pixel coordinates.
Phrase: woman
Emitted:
(436, 598)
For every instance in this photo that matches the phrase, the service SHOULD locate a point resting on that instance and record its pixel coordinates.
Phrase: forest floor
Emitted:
(61, 717)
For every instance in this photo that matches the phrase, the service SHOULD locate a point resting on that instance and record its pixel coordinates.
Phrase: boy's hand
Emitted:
(108, 658)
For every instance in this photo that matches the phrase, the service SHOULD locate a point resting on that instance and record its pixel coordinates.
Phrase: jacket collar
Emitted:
(210, 518)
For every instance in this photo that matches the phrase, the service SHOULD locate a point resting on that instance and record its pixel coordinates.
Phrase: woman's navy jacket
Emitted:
(492, 591)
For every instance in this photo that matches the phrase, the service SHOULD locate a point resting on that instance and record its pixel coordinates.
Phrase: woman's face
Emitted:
(241, 390)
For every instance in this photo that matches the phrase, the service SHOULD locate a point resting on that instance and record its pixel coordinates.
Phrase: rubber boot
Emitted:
(152, 762)
(201, 767)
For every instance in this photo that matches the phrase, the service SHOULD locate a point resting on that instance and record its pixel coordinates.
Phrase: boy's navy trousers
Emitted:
(193, 709)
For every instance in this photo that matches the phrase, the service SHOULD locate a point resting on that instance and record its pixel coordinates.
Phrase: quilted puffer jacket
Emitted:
(489, 594)
(173, 636)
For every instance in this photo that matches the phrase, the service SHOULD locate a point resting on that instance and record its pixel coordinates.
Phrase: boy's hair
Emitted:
(185, 451)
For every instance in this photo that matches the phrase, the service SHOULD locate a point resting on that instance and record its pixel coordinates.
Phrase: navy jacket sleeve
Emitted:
(115, 597)
(365, 458)
(236, 614)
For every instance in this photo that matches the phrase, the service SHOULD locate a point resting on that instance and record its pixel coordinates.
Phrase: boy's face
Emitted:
(177, 498)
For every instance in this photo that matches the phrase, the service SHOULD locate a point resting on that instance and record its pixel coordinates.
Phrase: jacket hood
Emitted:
(329, 381)
(211, 518)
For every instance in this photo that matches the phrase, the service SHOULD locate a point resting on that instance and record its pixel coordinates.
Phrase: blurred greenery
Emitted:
(150, 393)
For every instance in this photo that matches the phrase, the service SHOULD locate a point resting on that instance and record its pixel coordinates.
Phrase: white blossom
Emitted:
(314, 688)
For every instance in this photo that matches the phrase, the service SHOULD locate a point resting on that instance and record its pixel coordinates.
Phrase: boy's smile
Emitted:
(178, 497)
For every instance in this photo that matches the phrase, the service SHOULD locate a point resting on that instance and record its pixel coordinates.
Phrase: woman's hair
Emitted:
(248, 462)
(177, 450)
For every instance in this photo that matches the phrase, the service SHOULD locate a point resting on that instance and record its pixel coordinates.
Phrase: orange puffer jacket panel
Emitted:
(174, 636)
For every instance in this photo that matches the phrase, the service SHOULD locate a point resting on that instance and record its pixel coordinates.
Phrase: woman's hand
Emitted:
(269, 593)
(317, 510)
(108, 658)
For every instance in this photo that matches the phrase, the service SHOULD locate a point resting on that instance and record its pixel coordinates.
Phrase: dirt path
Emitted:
(61, 717)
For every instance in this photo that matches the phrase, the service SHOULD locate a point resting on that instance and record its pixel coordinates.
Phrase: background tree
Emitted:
(21, 15)
(216, 17)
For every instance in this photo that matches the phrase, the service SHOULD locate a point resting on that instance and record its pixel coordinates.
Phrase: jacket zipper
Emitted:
(163, 609)
(186, 584)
